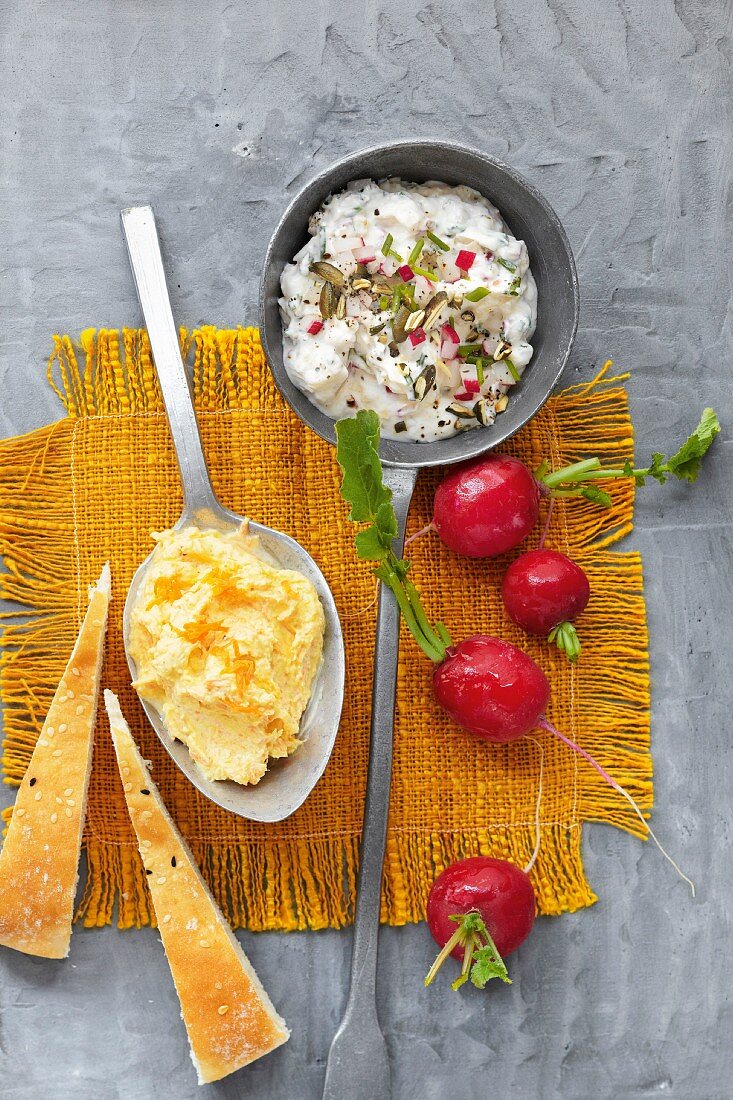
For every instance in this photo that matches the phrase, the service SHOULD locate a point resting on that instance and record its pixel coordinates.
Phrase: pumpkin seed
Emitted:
(433, 308)
(461, 411)
(424, 382)
(414, 320)
(398, 323)
(503, 351)
(501, 403)
(468, 315)
(484, 412)
(341, 307)
(361, 284)
(327, 301)
(328, 272)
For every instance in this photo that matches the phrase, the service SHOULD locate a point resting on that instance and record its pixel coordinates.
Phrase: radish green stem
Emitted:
(617, 787)
(481, 960)
(684, 465)
(363, 487)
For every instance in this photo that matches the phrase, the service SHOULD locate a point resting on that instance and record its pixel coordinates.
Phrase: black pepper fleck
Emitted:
(147, 872)
(144, 791)
(173, 861)
(32, 782)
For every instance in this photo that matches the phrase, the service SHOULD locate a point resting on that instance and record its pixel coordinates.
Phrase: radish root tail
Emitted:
(538, 835)
(545, 725)
(419, 534)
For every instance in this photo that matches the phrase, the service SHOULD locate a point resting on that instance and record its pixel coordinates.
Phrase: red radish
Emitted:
(464, 260)
(315, 327)
(449, 333)
(498, 890)
(485, 507)
(543, 590)
(491, 688)
(406, 273)
(472, 385)
(479, 910)
(417, 337)
(464, 395)
(364, 255)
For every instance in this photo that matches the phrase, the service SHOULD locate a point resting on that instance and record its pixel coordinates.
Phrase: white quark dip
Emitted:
(413, 300)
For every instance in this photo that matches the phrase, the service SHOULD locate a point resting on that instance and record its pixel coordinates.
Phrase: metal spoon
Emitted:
(358, 1062)
(288, 782)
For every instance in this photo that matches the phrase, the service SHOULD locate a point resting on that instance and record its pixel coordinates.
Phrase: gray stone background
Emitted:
(620, 111)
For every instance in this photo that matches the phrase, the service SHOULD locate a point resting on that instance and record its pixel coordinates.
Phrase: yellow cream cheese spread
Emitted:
(226, 648)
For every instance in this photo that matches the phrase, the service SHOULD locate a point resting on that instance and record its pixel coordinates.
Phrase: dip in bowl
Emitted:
(411, 299)
(525, 216)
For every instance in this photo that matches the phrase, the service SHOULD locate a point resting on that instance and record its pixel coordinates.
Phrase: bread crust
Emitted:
(229, 1017)
(39, 862)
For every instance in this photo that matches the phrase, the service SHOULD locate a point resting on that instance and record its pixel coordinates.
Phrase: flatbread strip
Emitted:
(229, 1018)
(39, 862)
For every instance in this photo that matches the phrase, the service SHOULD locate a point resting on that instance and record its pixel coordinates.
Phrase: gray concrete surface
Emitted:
(621, 113)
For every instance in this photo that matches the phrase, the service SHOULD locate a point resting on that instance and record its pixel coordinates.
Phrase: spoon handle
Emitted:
(141, 235)
(358, 1062)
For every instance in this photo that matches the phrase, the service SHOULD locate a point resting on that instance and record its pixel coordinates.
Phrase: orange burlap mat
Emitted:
(92, 486)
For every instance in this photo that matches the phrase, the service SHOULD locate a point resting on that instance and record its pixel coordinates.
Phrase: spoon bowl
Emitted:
(288, 782)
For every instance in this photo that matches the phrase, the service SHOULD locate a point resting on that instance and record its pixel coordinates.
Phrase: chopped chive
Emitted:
(396, 299)
(438, 243)
(468, 349)
(383, 301)
(513, 288)
(425, 273)
(476, 295)
(388, 241)
(506, 263)
(512, 369)
(480, 371)
(416, 252)
(395, 255)
(473, 359)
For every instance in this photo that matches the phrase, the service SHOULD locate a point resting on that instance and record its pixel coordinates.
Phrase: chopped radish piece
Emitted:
(465, 396)
(315, 327)
(406, 273)
(449, 333)
(472, 385)
(417, 337)
(464, 260)
(448, 350)
(364, 255)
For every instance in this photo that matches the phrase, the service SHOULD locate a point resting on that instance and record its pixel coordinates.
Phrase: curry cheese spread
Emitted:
(226, 648)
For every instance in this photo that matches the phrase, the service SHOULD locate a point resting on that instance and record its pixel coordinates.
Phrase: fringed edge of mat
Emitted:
(111, 373)
(273, 889)
(35, 570)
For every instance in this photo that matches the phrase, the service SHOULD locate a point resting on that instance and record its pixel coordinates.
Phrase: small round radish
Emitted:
(491, 688)
(497, 890)
(543, 590)
(486, 507)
